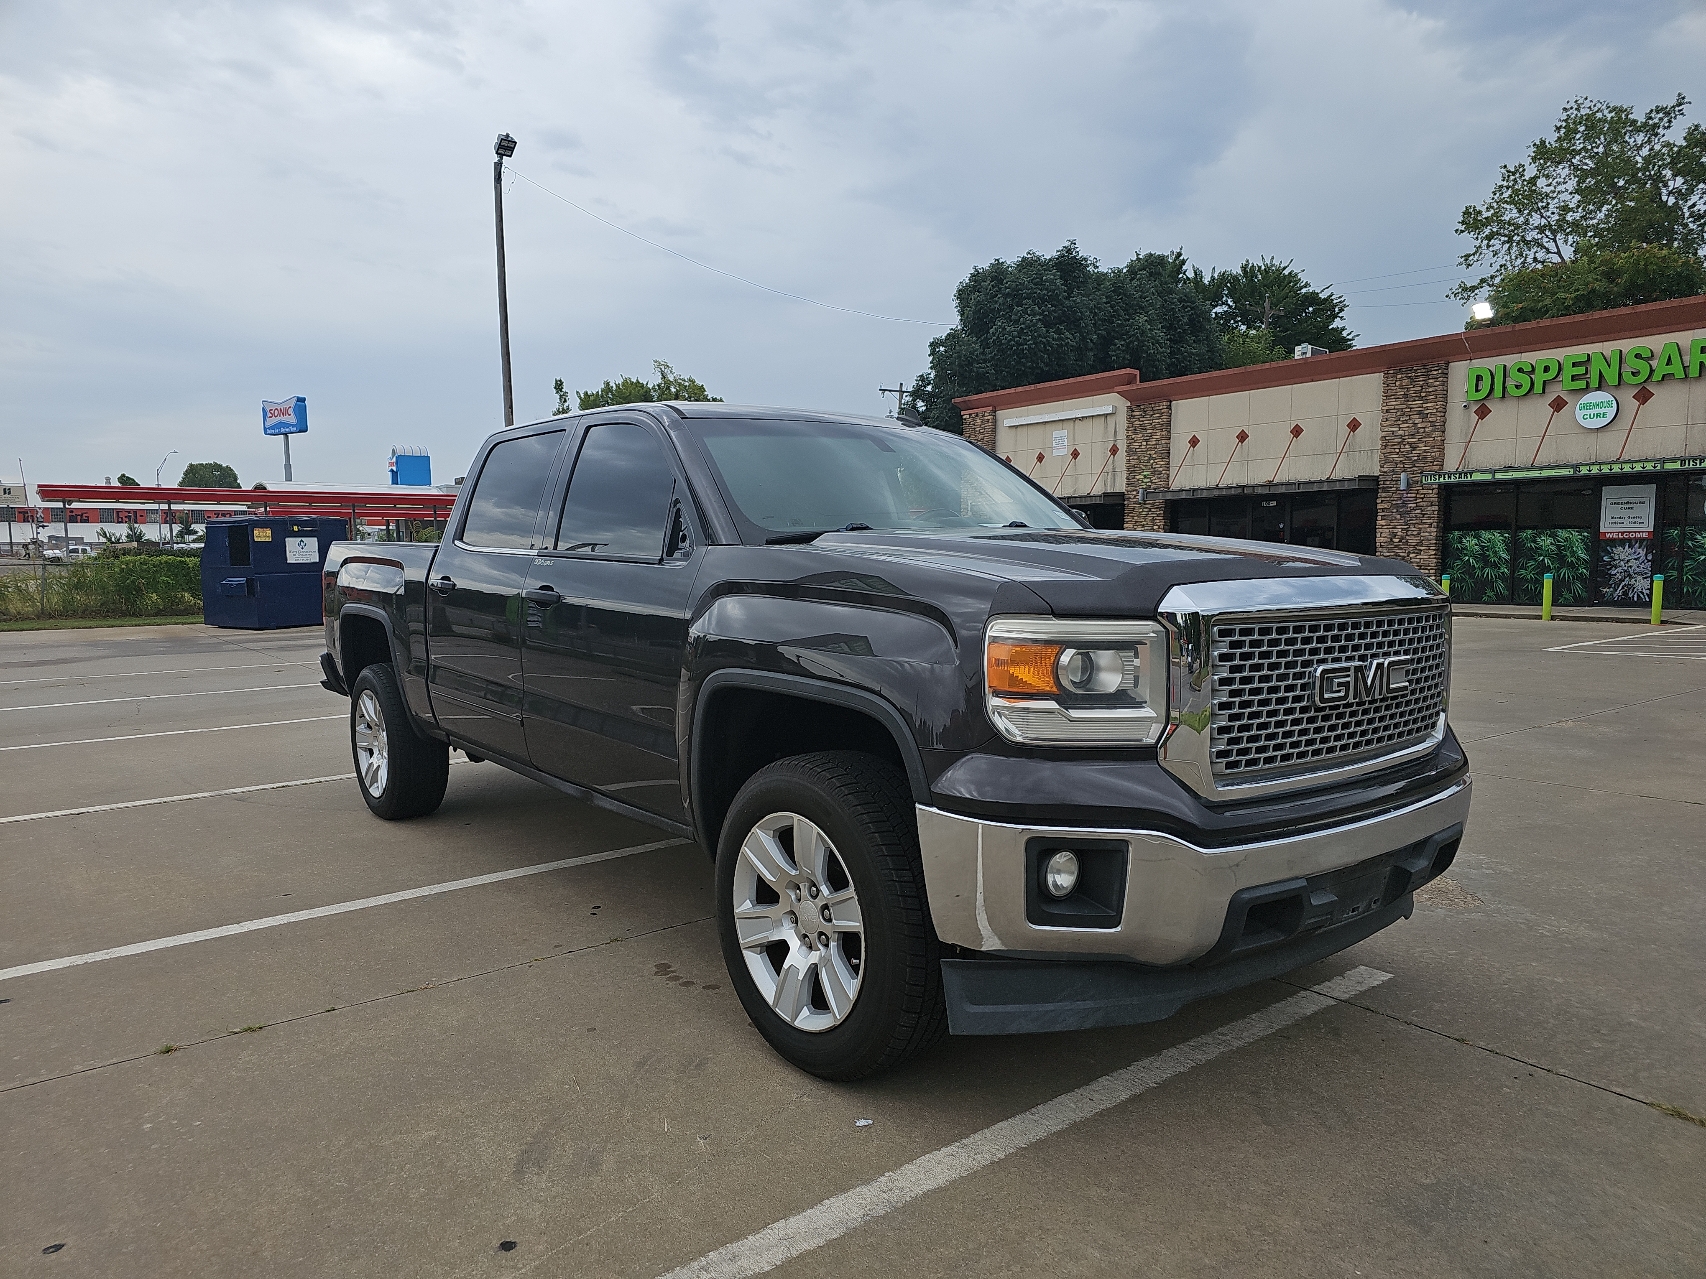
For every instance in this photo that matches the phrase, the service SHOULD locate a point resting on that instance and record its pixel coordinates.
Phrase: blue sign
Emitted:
(284, 417)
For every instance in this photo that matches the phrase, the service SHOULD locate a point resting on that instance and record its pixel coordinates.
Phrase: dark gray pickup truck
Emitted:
(963, 764)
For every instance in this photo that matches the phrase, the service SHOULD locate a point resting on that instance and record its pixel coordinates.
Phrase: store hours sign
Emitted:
(1626, 512)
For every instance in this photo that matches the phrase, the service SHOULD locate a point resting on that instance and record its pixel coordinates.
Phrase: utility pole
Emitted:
(505, 147)
(899, 392)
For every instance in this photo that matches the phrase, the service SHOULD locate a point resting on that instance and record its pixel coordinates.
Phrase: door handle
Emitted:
(443, 585)
(542, 595)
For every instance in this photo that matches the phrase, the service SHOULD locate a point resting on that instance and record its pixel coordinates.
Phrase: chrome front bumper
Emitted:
(1177, 894)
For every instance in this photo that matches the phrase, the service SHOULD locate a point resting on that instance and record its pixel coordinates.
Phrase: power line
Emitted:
(782, 293)
(1390, 275)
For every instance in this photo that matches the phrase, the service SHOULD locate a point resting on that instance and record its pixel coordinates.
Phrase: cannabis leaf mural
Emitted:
(1566, 553)
(1479, 561)
(1628, 572)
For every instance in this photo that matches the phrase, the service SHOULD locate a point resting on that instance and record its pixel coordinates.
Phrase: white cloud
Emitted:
(210, 204)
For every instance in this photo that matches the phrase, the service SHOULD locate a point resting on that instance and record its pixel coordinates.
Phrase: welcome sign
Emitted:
(284, 417)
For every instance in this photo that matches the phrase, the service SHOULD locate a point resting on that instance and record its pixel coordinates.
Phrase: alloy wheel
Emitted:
(372, 754)
(797, 921)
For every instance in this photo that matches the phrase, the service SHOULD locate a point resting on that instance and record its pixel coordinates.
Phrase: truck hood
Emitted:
(1090, 572)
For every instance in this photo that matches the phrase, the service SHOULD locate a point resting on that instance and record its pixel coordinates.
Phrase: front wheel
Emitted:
(400, 773)
(821, 910)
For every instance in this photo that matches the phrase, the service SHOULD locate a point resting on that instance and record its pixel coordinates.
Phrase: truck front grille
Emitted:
(1265, 720)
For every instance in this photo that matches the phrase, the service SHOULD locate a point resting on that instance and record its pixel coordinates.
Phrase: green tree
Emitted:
(670, 385)
(1608, 211)
(209, 475)
(1039, 319)
(1273, 297)
(128, 481)
(1595, 282)
(1244, 347)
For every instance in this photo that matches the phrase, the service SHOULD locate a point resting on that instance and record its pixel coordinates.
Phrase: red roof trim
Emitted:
(1474, 344)
(403, 497)
(1119, 381)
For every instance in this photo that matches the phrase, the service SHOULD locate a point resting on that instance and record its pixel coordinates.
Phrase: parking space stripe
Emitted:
(321, 912)
(835, 1217)
(170, 732)
(186, 670)
(176, 799)
(155, 697)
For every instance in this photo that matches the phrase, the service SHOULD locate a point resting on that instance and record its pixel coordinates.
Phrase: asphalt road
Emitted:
(1509, 1084)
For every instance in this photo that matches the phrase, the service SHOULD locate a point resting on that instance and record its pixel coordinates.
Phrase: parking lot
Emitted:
(246, 1028)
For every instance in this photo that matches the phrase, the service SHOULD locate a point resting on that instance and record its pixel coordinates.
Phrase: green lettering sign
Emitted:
(1669, 363)
(1603, 368)
(1586, 371)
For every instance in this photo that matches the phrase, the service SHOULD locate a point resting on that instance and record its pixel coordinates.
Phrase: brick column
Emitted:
(978, 426)
(1148, 454)
(1412, 440)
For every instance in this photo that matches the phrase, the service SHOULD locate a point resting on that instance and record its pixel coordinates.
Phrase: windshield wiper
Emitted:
(811, 535)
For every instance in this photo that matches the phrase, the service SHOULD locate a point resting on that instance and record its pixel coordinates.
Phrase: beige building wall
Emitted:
(1322, 409)
(1093, 425)
(1671, 424)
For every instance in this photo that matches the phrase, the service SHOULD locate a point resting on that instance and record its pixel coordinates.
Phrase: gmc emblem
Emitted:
(1348, 683)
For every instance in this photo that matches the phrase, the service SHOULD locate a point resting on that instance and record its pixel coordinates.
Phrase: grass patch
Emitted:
(1677, 1112)
(84, 623)
(165, 1048)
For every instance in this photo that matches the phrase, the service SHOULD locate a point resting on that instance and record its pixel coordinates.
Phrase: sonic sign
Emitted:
(1587, 371)
(284, 417)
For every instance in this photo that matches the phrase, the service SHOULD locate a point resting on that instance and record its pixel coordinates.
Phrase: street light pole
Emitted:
(505, 147)
(157, 470)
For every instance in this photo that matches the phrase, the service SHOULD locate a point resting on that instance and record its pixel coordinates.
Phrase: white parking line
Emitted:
(175, 799)
(835, 1217)
(171, 732)
(186, 670)
(321, 912)
(155, 697)
(1680, 636)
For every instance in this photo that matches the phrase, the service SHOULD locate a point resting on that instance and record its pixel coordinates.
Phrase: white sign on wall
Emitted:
(1596, 409)
(302, 550)
(1626, 511)
(1061, 443)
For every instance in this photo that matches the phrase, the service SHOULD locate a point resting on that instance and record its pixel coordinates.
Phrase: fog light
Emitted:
(1060, 873)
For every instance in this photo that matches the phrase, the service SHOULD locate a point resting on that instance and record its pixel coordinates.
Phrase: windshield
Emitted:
(799, 477)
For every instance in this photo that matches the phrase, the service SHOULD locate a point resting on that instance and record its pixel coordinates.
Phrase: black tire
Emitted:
(863, 806)
(411, 783)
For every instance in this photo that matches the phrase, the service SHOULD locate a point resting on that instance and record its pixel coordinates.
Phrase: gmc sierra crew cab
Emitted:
(963, 764)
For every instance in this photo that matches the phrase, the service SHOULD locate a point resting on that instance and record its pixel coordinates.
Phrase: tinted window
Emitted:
(507, 495)
(619, 495)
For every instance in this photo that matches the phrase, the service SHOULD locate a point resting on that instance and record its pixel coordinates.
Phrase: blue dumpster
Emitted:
(262, 572)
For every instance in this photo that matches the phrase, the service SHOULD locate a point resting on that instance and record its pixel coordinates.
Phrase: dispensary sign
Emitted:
(1587, 371)
(1596, 409)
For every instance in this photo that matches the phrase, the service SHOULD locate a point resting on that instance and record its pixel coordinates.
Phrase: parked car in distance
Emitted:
(963, 764)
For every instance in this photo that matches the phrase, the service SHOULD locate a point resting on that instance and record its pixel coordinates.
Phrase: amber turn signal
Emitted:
(1021, 668)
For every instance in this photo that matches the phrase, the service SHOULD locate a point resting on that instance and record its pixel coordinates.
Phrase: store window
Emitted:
(1480, 528)
(1556, 527)
(1337, 519)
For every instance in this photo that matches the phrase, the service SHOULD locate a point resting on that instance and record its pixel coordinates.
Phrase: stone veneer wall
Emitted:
(1148, 454)
(1412, 439)
(978, 426)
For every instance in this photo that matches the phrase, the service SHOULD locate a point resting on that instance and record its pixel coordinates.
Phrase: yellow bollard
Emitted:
(1546, 598)
(1658, 595)
(1445, 583)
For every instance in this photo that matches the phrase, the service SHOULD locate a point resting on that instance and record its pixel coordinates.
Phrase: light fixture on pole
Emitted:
(505, 147)
(157, 470)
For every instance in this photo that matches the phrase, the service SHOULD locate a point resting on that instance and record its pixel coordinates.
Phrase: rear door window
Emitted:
(505, 506)
(619, 496)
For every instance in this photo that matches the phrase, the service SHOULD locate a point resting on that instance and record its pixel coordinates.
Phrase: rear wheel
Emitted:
(400, 774)
(822, 914)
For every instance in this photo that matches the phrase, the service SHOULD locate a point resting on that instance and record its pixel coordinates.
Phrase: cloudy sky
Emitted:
(205, 205)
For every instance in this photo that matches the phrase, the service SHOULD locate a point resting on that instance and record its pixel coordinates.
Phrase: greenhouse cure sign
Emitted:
(1587, 371)
(1596, 409)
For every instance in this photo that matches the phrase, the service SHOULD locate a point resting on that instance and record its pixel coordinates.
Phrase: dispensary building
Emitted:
(1574, 446)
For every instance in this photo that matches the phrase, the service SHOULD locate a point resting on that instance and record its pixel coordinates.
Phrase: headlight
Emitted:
(1053, 682)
